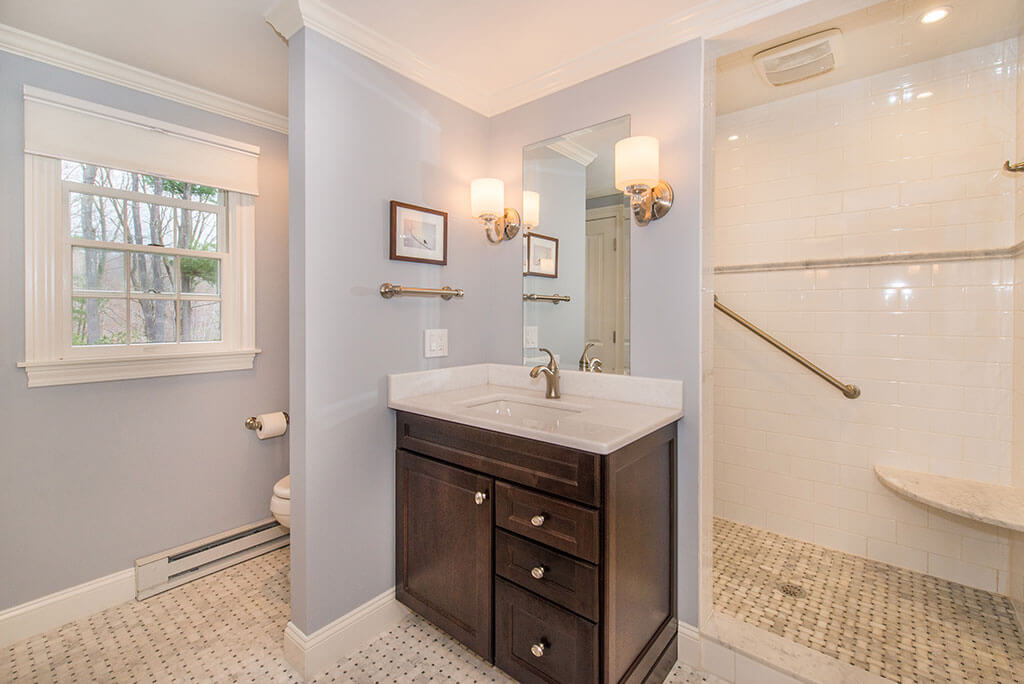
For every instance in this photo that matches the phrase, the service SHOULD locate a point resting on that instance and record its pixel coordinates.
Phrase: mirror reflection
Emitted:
(576, 259)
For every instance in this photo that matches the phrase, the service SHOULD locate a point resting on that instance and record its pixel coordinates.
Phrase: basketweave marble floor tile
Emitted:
(896, 623)
(229, 627)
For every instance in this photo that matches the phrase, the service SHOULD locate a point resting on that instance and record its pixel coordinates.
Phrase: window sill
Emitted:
(73, 372)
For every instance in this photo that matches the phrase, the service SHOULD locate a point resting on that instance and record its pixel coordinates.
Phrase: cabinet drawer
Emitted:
(559, 524)
(568, 582)
(536, 641)
(550, 468)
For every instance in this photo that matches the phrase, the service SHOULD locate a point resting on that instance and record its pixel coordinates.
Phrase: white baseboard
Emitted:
(329, 644)
(689, 645)
(43, 614)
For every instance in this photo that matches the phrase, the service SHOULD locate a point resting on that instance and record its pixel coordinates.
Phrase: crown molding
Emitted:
(574, 151)
(289, 16)
(709, 19)
(65, 56)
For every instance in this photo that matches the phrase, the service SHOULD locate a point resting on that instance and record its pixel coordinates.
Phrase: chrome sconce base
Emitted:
(650, 204)
(505, 228)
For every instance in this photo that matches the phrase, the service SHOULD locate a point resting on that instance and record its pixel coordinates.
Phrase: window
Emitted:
(145, 258)
(133, 273)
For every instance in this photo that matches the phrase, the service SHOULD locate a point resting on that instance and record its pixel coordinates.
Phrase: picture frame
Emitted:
(418, 234)
(541, 256)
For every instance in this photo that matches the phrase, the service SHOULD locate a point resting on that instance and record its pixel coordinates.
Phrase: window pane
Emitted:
(200, 276)
(104, 177)
(196, 230)
(153, 320)
(153, 273)
(117, 220)
(98, 320)
(200, 321)
(100, 270)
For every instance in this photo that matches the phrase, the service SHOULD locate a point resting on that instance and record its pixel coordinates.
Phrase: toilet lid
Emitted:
(283, 488)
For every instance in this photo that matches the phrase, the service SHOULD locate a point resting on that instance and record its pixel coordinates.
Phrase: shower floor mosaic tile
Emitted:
(229, 627)
(896, 623)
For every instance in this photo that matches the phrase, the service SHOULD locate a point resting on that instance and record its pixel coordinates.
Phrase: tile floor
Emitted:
(228, 627)
(896, 623)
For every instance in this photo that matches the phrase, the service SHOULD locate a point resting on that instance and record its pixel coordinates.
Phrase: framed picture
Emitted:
(418, 234)
(541, 256)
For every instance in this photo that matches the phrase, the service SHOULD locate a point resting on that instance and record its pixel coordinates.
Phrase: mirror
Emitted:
(578, 250)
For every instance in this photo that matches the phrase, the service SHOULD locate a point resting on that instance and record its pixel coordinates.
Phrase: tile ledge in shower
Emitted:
(782, 655)
(997, 505)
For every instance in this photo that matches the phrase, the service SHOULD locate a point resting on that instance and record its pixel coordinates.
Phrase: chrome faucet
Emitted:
(550, 372)
(587, 364)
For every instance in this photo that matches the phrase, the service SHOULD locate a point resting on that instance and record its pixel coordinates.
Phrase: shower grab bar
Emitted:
(849, 391)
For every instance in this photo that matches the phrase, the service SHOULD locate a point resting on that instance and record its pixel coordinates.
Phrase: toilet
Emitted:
(281, 501)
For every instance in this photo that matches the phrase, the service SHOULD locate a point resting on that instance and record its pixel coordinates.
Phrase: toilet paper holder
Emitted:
(254, 423)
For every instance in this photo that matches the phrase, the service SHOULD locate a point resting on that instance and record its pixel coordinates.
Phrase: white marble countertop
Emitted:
(989, 503)
(597, 412)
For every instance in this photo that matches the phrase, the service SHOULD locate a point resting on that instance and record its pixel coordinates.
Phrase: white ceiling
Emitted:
(490, 55)
(878, 38)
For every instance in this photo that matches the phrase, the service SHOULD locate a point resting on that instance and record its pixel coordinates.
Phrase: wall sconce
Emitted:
(487, 200)
(637, 174)
(531, 209)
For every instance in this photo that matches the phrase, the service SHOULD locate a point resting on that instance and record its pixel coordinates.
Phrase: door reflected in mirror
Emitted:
(576, 259)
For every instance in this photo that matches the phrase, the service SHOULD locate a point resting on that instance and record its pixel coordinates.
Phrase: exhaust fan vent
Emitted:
(802, 58)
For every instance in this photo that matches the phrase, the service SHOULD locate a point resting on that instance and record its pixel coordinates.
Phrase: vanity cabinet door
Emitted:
(444, 553)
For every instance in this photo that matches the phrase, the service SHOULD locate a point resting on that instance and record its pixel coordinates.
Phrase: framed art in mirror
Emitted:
(418, 234)
(541, 256)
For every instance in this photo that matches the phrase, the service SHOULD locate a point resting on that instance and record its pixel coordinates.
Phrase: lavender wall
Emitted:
(94, 476)
(363, 135)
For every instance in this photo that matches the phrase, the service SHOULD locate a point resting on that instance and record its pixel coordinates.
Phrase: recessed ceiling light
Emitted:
(734, 137)
(927, 93)
(935, 15)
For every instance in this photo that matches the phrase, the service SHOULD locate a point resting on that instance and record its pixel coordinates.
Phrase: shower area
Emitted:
(865, 218)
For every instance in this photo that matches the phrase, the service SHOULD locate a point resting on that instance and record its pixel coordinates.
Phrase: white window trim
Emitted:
(50, 359)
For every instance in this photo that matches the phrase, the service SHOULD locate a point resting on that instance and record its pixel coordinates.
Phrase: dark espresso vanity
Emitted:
(556, 564)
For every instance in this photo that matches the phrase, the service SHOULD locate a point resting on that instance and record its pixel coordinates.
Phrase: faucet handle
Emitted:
(584, 359)
(552, 364)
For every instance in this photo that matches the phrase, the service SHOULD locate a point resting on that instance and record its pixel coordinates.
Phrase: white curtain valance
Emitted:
(68, 128)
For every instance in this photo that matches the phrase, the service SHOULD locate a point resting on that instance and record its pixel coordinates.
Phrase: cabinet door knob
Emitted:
(537, 649)
(538, 572)
(537, 520)
(480, 497)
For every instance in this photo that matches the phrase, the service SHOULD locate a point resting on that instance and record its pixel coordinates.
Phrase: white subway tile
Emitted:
(900, 556)
(846, 542)
(960, 571)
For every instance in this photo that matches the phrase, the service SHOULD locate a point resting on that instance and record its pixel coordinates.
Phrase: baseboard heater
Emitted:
(174, 567)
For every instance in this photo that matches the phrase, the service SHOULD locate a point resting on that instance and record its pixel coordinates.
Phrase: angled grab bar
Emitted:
(849, 391)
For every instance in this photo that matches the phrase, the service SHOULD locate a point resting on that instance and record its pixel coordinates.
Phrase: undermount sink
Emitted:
(529, 414)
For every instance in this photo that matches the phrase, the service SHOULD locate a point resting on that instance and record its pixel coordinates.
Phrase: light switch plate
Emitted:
(530, 336)
(435, 342)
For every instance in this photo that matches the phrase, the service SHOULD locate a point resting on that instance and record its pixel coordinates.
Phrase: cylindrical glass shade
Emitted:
(636, 162)
(531, 208)
(487, 197)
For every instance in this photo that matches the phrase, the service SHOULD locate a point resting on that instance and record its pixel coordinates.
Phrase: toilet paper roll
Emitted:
(271, 425)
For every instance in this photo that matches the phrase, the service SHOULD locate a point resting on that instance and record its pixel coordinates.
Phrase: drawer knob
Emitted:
(537, 520)
(480, 497)
(537, 649)
(538, 572)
